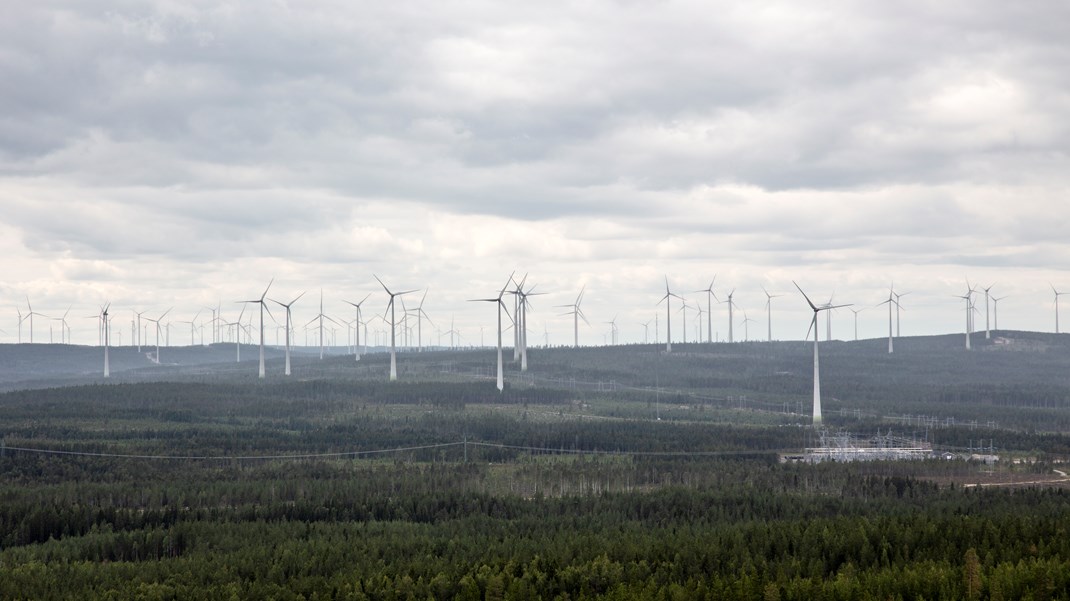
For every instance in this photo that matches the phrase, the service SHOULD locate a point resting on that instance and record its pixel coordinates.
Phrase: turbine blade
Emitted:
(808, 301)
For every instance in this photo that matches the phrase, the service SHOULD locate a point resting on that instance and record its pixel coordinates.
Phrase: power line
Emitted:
(231, 457)
(533, 449)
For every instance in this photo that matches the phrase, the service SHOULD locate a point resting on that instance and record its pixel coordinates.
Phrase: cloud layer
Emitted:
(179, 153)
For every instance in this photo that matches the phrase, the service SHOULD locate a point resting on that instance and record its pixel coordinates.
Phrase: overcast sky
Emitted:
(158, 153)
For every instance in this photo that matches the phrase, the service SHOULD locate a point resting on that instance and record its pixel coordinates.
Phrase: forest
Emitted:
(600, 474)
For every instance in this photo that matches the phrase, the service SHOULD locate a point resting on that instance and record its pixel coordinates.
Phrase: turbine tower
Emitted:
(287, 306)
(393, 326)
(501, 307)
(817, 370)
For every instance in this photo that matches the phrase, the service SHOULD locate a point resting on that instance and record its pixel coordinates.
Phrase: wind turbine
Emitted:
(107, 340)
(30, 315)
(684, 308)
(420, 314)
(769, 310)
(501, 306)
(393, 325)
(237, 333)
(139, 329)
(746, 330)
(890, 302)
(856, 312)
(157, 322)
(356, 306)
(988, 332)
(21, 319)
(193, 328)
(817, 371)
(1057, 295)
(521, 320)
(969, 310)
(646, 331)
(319, 318)
(710, 297)
(287, 306)
(898, 306)
(612, 330)
(263, 306)
(995, 312)
(577, 315)
(64, 327)
(667, 299)
(731, 304)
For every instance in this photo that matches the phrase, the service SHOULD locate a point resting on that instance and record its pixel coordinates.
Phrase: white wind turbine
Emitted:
(263, 306)
(192, 329)
(710, 297)
(667, 299)
(731, 305)
(393, 326)
(817, 370)
(995, 312)
(21, 319)
(1057, 295)
(157, 321)
(237, 333)
(890, 302)
(420, 315)
(856, 312)
(517, 321)
(357, 309)
(746, 320)
(107, 340)
(684, 308)
(769, 310)
(577, 315)
(501, 307)
(319, 318)
(288, 306)
(898, 306)
(646, 331)
(521, 320)
(988, 332)
(30, 315)
(612, 330)
(969, 310)
(64, 327)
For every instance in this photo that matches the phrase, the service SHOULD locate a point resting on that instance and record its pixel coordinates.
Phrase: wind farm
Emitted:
(375, 302)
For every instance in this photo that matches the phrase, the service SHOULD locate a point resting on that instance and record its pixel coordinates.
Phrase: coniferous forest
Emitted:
(586, 480)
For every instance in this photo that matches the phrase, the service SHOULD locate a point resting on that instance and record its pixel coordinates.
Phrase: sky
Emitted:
(158, 154)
